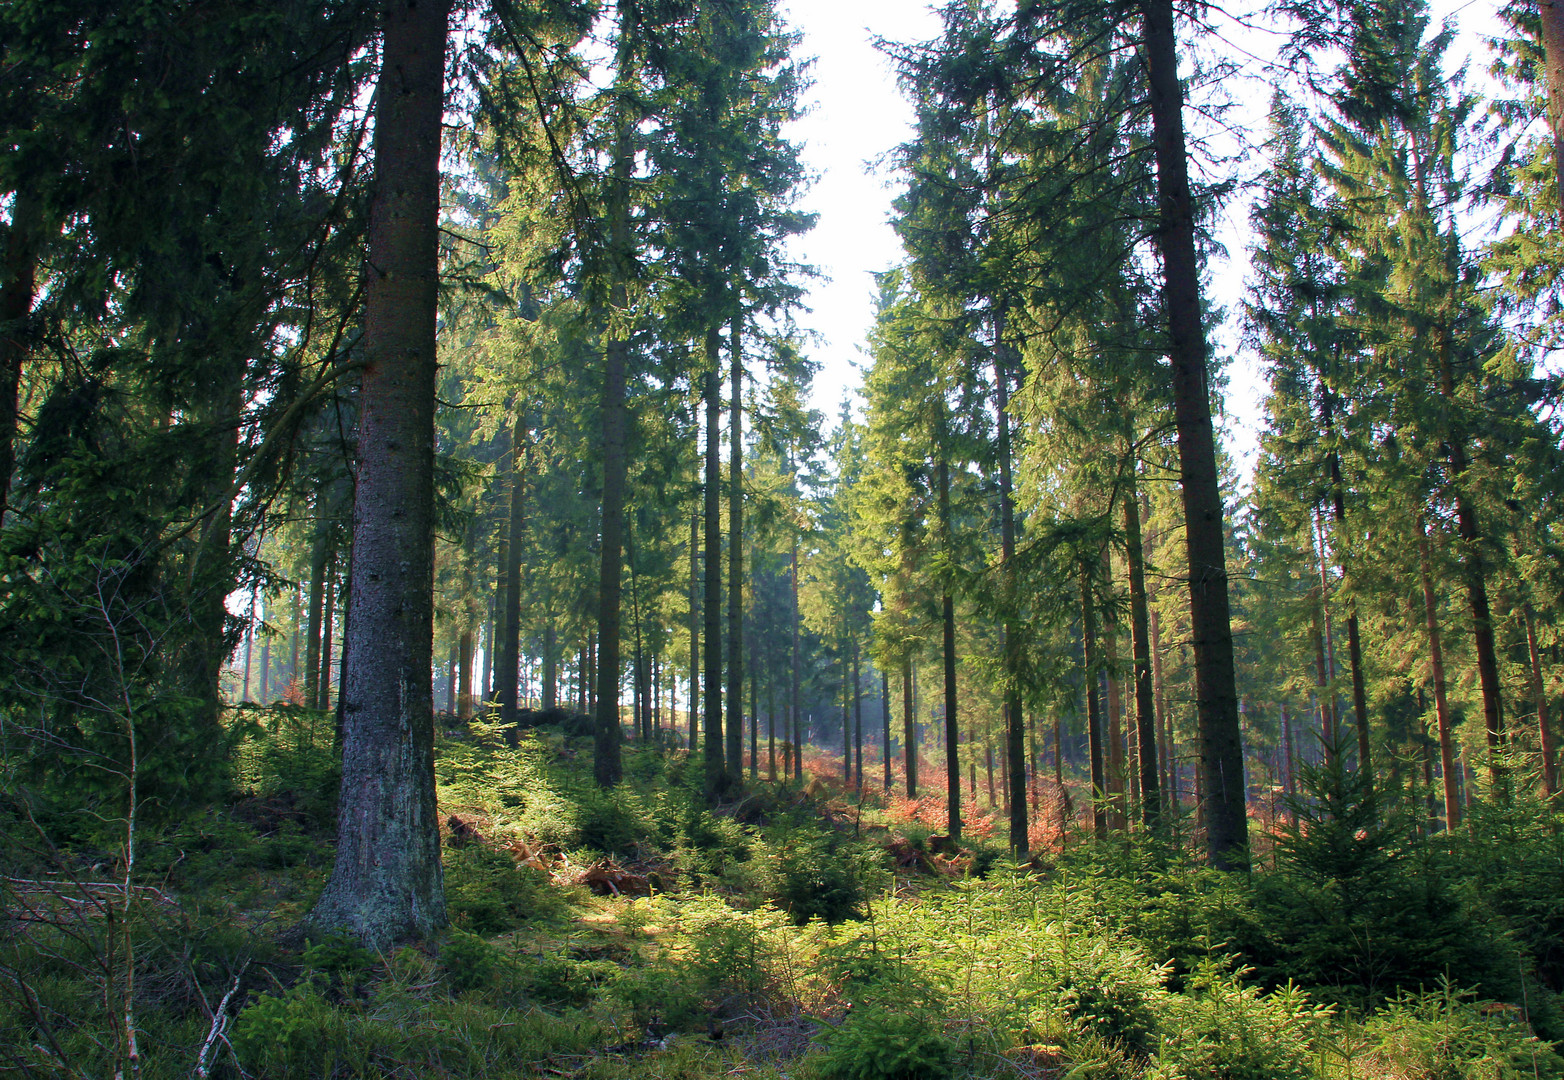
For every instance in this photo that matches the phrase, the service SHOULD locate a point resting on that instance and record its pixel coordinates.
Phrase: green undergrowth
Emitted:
(777, 935)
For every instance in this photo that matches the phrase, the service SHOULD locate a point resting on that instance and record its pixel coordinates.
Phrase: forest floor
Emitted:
(800, 933)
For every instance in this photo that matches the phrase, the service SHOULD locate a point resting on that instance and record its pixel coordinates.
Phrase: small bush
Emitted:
(1445, 1035)
(486, 893)
(818, 875)
(1224, 1030)
(888, 1040)
(470, 962)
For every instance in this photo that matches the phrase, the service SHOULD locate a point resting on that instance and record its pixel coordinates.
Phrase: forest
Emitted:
(442, 635)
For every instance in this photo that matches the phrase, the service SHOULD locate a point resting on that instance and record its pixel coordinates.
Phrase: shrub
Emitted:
(888, 1040)
(470, 962)
(1445, 1035)
(486, 893)
(1224, 1030)
(818, 875)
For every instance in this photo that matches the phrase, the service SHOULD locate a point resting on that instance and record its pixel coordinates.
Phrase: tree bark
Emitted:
(909, 731)
(507, 674)
(695, 633)
(1140, 643)
(1539, 692)
(1216, 693)
(1436, 662)
(320, 553)
(387, 883)
(1014, 718)
(885, 748)
(798, 719)
(735, 728)
(948, 653)
(1093, 713)
(18, 288)
(716, 778)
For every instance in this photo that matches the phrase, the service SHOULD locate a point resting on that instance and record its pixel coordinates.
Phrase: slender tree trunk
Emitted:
(1289, 757)
(1354, 638)
(387, 884)
(857, 720)
(948, 640)
(715, 765)
(508, 672)
(1169, 762)
(1216, 693)
(1140, 644)
(1539, 692)
(1014, 718)
(550, 665)
(18, 288)
(735, 729)
(695, 634)
(798, 717)
(320, 553)
(1436, 661)
(465, 647)
(885, 707)
(847, 719)
(249, 645)
(909, 731)
(324, 680)
(607, 762)
(1117, 821)
(771, 723)
(1093, 713)
(754, 723)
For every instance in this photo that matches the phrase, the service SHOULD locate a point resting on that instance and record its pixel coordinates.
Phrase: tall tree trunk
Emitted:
(18, 287)
(1539, 692)
(1014, 718)
(507, 674)
(387, 883)
(320, 554)
(1140, 644)
(716, 766)
(948, 640)
(798, 719)
(735, 728)
(1169, 758)
(1436, 661)
(550, 665)
(1093, 713)
(466, 649)
(1322, 681)
(324, 680)
(909, 731)
(847, 720)
(857, 721)
(607, 762)
(754, 723)
(695, 633)
(885, 707)
(1109, 642)
(1216, 692)
(1354, 638)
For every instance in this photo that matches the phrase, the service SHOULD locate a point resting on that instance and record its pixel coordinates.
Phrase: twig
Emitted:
(203, 1067)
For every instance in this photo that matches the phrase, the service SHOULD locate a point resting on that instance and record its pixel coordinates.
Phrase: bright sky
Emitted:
(859, 116)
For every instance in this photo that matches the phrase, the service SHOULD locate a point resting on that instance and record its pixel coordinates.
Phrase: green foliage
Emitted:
(487, 893)
(1224, 1030)
(470, 962)
(888, 1039)
(1444, 1035)
(818, 874)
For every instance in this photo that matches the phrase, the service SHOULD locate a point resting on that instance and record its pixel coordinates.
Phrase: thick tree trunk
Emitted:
(1216, 693)
(1436, 661)
(18, 287)
(715, 764)
(735, 728)
(507, 674)
(1140, 643)
(387, 883)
